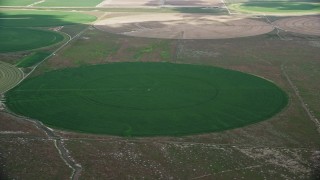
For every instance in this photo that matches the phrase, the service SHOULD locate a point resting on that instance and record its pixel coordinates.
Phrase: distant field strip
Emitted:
(17, 2)
(161, 3)
(36, 18)
(184, 26)
(9, 76)
(69, 3)
(276, 7)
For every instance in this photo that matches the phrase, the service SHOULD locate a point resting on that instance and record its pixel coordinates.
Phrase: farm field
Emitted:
(9, 76)
(127, 62)
(16, 2)
(277, 7)
(183, 26)
(147, 99)
(32, 18)
(10, 39)
(32, 59)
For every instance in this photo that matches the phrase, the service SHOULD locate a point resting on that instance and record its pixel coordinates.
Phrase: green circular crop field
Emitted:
(277, 7)
(34, 18)
(146, 99)
(21, 39)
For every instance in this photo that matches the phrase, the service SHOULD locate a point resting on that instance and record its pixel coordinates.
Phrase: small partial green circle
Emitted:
(22, 39)
(41, 18)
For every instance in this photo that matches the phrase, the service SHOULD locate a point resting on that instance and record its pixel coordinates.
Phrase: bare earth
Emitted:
(309, 25)
(155, 3)
(184, 26)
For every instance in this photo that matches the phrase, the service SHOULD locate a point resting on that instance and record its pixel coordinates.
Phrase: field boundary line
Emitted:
(303, 104)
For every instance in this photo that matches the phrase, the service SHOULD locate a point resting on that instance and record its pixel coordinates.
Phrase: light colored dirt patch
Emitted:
(194, 3)
(152, 3)
(304, 25)
(184, 26)
(128, 3)
(291, 160)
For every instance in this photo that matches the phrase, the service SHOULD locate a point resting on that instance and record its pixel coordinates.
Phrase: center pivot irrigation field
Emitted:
(146, 99)
(20, 39)
(16, 35)
(184, 26)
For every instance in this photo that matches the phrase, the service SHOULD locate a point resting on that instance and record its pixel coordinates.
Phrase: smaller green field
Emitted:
(17, 2)
(70, 3)
(22, 39)
(34, 18)
(33, 59)
(277, 7)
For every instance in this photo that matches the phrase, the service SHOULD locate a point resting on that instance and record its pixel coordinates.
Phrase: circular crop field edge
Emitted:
(286, 103)
(50, 10)
(66, 37)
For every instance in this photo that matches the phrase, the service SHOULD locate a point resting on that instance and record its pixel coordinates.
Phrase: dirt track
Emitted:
(304, 25)
(184, 26)
(154, 3)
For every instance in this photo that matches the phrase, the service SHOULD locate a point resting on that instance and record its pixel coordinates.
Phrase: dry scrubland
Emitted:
(285, 146)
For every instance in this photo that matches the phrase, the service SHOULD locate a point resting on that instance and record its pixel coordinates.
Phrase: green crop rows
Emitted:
(146, 99)
(9, 76)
